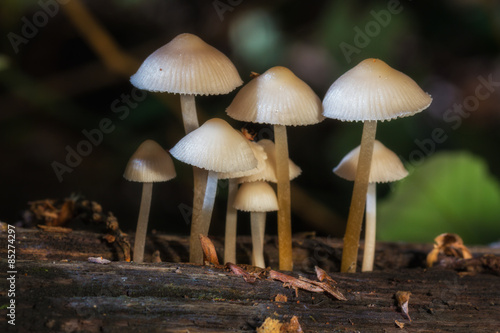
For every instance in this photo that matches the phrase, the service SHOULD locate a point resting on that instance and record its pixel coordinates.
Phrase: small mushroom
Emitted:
(149, 164)
(371, 91)
(258, 198)
(279, 98)
(231, 212)
(188, 66)
(217, 147)
(386, 167)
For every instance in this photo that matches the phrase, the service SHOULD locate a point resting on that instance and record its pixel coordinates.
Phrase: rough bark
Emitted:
(57, 289)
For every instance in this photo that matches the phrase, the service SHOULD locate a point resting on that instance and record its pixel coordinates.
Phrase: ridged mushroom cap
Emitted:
(268, 174)
(215, 146)
(256, 197)
(150, 163)
(276, 97)
(260, 155)
(187, 65)
(373, 90)
(386, 165)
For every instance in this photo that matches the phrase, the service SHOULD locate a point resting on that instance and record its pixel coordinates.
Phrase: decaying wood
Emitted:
(59, 290)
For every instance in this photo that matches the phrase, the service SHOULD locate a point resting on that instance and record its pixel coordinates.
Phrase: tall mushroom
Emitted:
(371, 91)
(279, 98)
(188, 66)
(149, 164)
(258, 198)
(385, 167)
(217, 147)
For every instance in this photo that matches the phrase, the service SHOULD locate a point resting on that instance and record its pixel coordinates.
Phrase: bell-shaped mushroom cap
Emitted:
(256, 197)
(277, 97)
(268, 174)
(373, 90)
(187, 65)
(215, 146)
(386, 165)
(150, 163)
(260, 155)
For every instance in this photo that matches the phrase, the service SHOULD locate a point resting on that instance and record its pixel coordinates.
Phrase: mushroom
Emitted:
(385, 167)
(188, 66)
(217, 147)
(150, 163)
(279, 98)
(258, 198)
(231, 213)
(371, 91)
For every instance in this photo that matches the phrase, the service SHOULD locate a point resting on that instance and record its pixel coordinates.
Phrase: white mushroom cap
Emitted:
(373, 90)
(277, 97)
(215, 146)
(268, 174)
(150, 163)
(386, 165)
(187, 65)
(260, 155)
(256, 197)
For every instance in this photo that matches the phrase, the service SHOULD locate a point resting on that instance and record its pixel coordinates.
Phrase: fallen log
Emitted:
(58, 289)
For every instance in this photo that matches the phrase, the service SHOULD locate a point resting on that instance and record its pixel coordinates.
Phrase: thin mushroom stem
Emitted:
(356, 211)
(370, 228)
(208, 203)
(284, 212)
(190, 119)
(189, 116)
(142, 222)
(231, 223)
(258, 227)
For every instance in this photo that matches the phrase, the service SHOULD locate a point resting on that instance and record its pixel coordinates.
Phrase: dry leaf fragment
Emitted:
(99, 260)
(209, 253)
(326, 286)
(241, 272)
(399, 324)
(322, 275)
(403, 298)
(292, 327)
(450, 245)
(280, 298)
(292, 282)
(270, 325)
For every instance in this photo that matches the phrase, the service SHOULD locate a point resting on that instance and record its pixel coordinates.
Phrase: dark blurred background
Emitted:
(65, 66)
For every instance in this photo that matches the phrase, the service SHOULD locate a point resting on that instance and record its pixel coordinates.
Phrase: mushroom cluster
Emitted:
(370, 92)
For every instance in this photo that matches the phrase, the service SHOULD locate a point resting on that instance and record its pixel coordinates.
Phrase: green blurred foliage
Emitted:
(451, 192)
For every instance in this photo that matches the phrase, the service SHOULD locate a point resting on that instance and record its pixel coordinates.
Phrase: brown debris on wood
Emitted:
(209, 253)
(403, 298)
(448, 245)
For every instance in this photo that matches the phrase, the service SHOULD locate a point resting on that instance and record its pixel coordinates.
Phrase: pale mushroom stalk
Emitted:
(189, 116)
(258, 227)
(142, 222)
(208, 202)
(231, 223)
(370, 228)
(283, 187)
(356, 210)
(190, 120)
